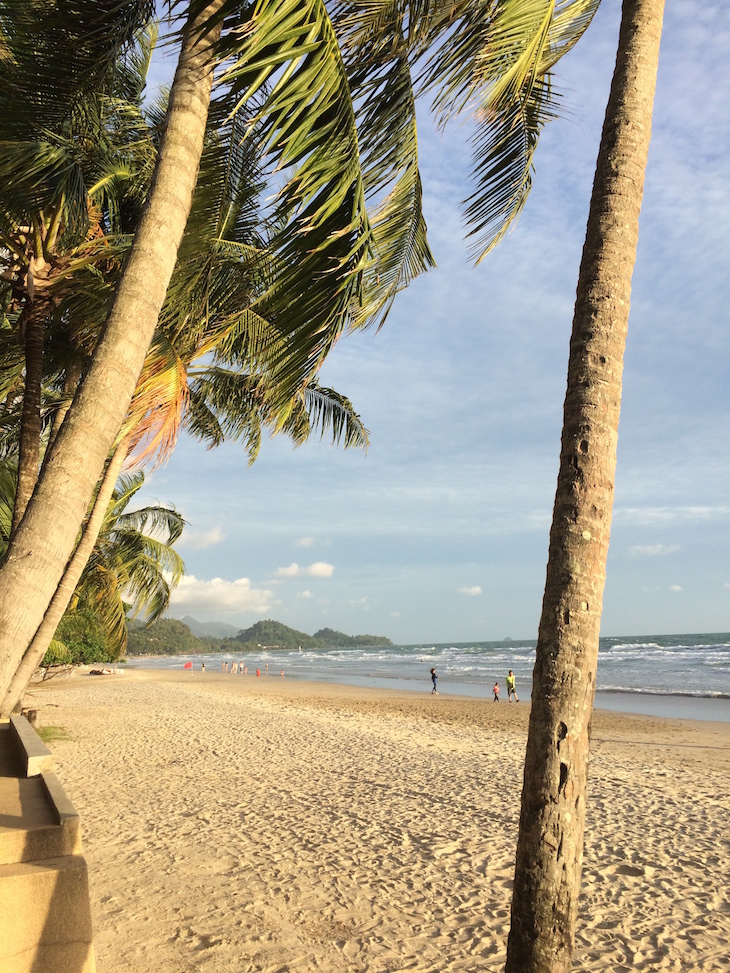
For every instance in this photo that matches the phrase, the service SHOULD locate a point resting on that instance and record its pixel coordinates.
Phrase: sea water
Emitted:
(668, 675)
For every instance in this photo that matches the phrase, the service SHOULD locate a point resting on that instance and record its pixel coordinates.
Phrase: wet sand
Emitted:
(238, 824)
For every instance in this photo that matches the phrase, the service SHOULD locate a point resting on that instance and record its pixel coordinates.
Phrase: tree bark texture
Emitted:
(47, 535)
(30, 423)
(552, 819)
(66, 587)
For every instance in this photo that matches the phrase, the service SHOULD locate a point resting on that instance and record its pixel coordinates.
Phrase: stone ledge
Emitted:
(34, 753)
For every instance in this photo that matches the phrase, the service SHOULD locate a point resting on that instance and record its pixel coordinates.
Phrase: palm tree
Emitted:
(310, 73)
(60, 168)
(550, 844)
(132, 571)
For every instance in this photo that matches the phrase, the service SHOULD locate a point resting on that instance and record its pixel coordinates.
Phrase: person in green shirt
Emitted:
(511, 688)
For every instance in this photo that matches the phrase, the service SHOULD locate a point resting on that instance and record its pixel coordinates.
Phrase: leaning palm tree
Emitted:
(305, 66)
(550, 843)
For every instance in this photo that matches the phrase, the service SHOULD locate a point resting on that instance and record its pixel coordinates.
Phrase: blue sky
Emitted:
(440, 532)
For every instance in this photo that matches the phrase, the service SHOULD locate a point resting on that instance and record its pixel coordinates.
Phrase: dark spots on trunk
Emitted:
(566, 617)
(563, 777)
(562, 733)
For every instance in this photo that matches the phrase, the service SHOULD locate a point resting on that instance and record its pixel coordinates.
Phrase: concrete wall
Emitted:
(45, 914)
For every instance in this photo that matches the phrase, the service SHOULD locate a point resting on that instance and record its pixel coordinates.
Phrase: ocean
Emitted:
(681, 676)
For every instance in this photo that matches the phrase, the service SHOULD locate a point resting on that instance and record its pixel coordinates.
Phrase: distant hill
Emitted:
(171, 636)
(270, 633)
(166, 637)
(338, 640)
(216, 630)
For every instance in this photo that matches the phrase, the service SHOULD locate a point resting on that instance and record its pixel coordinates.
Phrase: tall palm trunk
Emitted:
(30, 421)
(47, 534)
(550, 844)
(67, 585)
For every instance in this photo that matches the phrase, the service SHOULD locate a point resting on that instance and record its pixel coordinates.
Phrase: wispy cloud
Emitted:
(218, 595)
(647, 516)
(304, 594)
(676, 587)
(305, 542)
(197, 539)
(320, 569)
(470, 592)
(653, 550)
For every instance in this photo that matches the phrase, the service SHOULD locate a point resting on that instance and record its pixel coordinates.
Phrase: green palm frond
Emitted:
(309, 129)
(382, 88)
(492, 61)
(328, 410)
(496, 63)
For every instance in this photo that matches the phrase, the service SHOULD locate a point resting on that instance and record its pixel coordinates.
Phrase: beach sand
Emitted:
(238, 824)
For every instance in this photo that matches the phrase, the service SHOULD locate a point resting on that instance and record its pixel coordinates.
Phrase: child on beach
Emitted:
(434, 677)
(495, 690)
(511, 687)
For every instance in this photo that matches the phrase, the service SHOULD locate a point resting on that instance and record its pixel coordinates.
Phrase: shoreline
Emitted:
(711, 709)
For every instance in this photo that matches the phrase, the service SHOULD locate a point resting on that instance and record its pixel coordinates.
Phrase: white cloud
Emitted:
(305, 542)
(653, 550)
(320, 569)
(304, 594)
(470, 592)
(676, 587)
(291, 572)
(358, 601)
(196, 539)
(218, 595)
(395, 614)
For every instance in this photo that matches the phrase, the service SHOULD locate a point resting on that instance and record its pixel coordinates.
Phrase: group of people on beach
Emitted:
(510, 681)
(237, 667)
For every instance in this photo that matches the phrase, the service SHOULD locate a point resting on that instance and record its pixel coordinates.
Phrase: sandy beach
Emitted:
(240, 824)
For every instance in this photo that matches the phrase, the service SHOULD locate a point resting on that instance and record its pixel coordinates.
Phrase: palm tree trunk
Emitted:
(47, 535)
(30, 423)
(550, 844)
(62, 595)
(70, 384)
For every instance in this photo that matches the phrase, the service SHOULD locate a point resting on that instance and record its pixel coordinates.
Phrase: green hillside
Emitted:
(166, 637)
(328, 636)
(274, 634)
(173, 637)
(271, 633)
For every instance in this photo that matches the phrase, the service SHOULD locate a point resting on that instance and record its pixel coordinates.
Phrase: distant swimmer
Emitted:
(495, 690)
(511, 687)
(434, 677)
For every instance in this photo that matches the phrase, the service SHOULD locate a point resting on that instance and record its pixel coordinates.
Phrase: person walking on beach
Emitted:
(202, 667)
(434, 677)
(495, 690)
(511, 687)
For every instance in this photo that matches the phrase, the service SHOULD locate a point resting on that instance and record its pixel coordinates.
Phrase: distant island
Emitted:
(170, 636)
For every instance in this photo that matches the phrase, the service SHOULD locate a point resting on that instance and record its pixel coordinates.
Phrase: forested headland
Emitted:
(172, 637)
